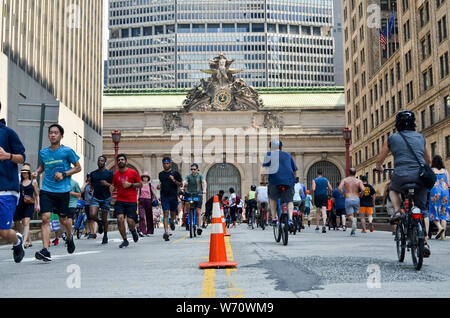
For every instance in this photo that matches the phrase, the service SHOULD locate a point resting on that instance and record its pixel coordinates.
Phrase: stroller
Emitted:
(80, 217)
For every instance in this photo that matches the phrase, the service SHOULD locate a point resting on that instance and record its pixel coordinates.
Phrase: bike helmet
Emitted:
(253, 188)
(276, 144)
(405, 120)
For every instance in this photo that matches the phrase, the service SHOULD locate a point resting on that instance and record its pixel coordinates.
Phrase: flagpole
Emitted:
(387, 36)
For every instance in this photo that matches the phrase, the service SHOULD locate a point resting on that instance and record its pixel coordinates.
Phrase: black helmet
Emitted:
(405, 120)
(253, 188)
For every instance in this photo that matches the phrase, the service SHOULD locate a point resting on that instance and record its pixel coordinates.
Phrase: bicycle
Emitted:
(410, 232)
(281, 228)
(297, 220)
(81, 217)
(262, 216)
(192, 222)
(252, 218)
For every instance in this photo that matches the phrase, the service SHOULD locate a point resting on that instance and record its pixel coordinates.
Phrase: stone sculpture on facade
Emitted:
(171, 121)
(272, 121)
(222, 91)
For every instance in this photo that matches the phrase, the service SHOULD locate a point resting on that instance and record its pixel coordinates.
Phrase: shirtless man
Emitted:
(354, 188)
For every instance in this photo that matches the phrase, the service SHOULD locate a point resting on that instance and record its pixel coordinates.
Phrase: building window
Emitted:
(447, 147)
(409, 92)
(447, 106)
(444, 65)
(399, 74)
(423, 119)
(400, 99)
(431, 115)
(442, 29)
(433, 149)
(393, 105)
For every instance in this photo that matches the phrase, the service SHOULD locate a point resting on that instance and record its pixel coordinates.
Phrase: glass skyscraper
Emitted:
(165, 44)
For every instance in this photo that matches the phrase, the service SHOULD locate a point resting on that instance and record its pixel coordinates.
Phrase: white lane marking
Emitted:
(32, 259)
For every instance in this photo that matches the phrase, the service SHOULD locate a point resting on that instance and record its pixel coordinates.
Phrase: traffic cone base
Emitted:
(218, 265)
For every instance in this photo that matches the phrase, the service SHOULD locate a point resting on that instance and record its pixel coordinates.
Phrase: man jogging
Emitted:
(101, 180)
(126, 181)
(169, 183)
(56, 163)
(320, 185)
(12, 153)
(353, 191)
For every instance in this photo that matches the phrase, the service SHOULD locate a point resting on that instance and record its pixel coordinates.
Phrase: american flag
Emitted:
(383, 40)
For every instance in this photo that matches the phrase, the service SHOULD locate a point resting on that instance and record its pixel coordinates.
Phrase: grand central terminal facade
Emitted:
(225, 127)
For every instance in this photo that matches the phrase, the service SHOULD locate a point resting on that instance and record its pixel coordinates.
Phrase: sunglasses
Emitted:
(193, 169)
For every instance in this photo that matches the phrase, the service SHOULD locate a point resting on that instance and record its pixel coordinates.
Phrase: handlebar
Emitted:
(190, 197)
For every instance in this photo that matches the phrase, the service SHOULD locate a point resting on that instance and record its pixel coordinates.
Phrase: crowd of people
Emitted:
(138, 209)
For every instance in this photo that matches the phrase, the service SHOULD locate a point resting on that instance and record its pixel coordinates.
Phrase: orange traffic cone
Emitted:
(223, 223)
(217, 251)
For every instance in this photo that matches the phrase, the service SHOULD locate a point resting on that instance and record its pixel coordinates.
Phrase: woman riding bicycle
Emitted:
(406, 167)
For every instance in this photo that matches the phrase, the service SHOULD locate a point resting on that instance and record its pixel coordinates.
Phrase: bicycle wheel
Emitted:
(191, 223)
(277, 232)
(262, 217)
(253, 220)
(401, 242)
(295, 225)
(284, 229)
(417, 245)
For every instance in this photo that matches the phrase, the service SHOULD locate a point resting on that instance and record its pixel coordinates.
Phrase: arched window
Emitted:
(330, 171)
(223, 177)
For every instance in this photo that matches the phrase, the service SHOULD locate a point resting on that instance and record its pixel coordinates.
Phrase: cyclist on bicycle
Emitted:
(262, 198)
(282, 172)
(195, 184)
(251, 204)
(406, 167)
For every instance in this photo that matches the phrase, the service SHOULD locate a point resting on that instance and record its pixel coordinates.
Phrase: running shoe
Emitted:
(55, 242)
(166, 236)
(124, 244)
(371, 228)
(135, 235)
(64, 236)
(363, 231)
(199, 231)
(141, 234)
(70, 246)
(43, 255)
(18, 251)
(439, 233)
(324, 230)
(317, 229)
(172, 226)
(105, 239)
(344, 228)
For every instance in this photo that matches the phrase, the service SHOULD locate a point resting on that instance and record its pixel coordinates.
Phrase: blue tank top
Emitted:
(321, 186)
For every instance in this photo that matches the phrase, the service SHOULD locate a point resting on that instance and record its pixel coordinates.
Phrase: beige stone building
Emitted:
(51, 55)
(308, 121)
(412, 73)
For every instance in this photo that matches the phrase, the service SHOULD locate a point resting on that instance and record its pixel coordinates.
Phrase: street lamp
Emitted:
(116, 139)
(347, 137)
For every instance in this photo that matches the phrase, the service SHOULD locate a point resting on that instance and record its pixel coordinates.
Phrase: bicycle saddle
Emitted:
(408, 186)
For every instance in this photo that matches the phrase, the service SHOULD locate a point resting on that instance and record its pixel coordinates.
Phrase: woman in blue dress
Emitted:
(439, 195)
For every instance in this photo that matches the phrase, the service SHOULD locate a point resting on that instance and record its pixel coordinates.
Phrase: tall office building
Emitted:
(51, 62)
(408, 71)
(276, 43)
(338, 45)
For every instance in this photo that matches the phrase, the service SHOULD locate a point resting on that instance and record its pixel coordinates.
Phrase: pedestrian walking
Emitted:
(28, 204)
(232, 203)
(87, 192)
(439, 195)
(320, 187)
(352, 189)
(367, 205)
(12, 153)
(339, 204)
(126, 181)
(146, 197)
(56, 163)
(169, 183)
(308, 206)
(101, 180)
(262, 198)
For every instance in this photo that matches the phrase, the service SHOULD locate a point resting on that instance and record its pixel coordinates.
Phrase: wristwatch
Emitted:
(64, 175)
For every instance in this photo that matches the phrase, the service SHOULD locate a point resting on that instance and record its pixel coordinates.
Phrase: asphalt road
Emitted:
(312, 265)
